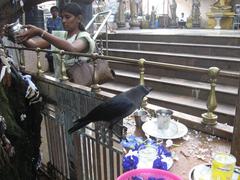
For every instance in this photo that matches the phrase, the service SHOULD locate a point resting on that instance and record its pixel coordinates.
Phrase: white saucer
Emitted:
(203, 172)
(175, 130)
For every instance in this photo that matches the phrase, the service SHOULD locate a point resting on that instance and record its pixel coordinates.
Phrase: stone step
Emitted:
(154, 70)
(183, 104)
(194, 89)
(179, 89)
(201, 36)
(224, 63)
(173, 47)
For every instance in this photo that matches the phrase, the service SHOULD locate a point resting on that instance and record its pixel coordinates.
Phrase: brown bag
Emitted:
(103, 72)
(82, 73)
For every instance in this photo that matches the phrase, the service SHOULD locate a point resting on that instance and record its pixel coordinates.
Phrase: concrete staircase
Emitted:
(183, 91)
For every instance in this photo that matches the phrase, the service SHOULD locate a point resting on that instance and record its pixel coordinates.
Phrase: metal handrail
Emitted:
(109, 12)
(134, 61)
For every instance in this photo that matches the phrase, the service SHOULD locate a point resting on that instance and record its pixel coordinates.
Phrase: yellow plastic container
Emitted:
(223, 165)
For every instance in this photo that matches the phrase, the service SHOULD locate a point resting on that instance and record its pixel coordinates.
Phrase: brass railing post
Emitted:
(63, 73)
(141, 73)
(209, 118)
(39, 66)
(22, 60)
(95, 86)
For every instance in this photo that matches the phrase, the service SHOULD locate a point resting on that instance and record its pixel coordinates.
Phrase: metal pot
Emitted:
(14, 29)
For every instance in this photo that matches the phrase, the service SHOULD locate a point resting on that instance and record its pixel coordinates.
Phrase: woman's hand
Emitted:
(28, 32)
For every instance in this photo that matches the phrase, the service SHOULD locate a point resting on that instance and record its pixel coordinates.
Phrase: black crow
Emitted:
(115, 109)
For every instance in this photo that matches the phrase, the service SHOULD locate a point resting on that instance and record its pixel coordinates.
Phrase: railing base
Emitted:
(209, 119)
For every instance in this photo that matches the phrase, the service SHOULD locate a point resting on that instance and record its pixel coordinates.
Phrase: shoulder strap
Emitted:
(77, 36)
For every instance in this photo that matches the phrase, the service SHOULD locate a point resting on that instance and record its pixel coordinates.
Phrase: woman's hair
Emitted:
(76, 10)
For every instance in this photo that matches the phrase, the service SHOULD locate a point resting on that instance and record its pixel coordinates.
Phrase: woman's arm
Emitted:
(25, 37)
(36, 42)
(78, 45)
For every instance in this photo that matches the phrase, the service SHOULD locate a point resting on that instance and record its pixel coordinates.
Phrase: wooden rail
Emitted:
(235, 147)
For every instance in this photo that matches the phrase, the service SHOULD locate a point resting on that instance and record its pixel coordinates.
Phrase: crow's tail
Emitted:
(80, 123)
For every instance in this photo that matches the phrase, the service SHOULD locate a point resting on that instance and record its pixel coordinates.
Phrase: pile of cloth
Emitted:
(20, 122)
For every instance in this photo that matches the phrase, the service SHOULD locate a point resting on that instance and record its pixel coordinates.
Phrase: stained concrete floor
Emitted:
(193, 149)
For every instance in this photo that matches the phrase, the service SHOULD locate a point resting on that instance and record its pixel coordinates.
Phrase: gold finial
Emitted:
(141, 69)
(209, 118)
(39, 66)
(22, 60)
(95, 86)
(141, 73)
(63, 75)
(213, 72)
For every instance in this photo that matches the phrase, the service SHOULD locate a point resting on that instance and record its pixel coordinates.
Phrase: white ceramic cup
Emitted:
(163, 118)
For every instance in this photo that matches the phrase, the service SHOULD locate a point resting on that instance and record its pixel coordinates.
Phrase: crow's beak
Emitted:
(149, 89)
